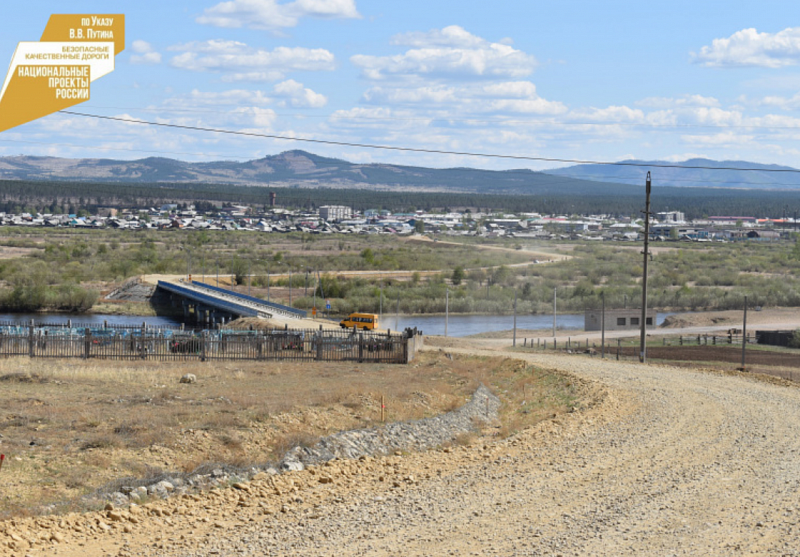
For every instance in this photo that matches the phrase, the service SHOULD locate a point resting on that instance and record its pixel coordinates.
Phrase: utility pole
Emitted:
(397, 314)
(643, 322)
(554, 311)
(446, 309)
(744, 333)
(603, 326)
(290, 286)
(249, 276)
(217, 273)
(514, 343)
(380, 305)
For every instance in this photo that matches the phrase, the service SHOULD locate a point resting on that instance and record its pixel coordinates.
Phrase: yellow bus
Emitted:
(360, 321)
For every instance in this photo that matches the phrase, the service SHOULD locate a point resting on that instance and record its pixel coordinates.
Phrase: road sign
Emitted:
(314, 312)
(327, 304)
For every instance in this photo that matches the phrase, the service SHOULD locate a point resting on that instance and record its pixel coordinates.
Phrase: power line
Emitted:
(336, 116)
(420, 150)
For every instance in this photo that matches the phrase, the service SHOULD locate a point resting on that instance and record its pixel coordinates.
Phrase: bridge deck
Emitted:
(222, 300)
(276, 309)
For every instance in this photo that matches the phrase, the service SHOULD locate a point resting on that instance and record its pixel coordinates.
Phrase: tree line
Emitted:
(572, 199)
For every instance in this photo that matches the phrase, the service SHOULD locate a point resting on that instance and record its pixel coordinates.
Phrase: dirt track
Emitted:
(670, 462)
(717, 354)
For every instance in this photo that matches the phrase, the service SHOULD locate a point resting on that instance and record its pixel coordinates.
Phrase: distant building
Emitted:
(671, 216)
(335, 212)
(617, 319)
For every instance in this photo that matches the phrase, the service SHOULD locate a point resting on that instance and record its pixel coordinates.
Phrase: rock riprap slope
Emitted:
(673, 462)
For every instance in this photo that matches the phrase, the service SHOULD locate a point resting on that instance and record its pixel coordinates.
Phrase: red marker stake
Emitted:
(2, 458)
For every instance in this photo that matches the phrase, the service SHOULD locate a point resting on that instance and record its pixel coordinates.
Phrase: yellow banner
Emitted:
(56, 72)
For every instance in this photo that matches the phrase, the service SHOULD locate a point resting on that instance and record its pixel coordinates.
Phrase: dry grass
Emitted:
(70, 426)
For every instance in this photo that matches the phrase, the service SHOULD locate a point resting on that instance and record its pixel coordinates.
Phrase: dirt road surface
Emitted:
(666, 462)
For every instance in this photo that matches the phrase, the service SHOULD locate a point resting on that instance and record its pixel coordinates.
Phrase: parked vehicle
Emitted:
(365, 321)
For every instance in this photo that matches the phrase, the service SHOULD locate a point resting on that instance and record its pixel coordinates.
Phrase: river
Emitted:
(91, 319)
(457, 326)
(465, 325)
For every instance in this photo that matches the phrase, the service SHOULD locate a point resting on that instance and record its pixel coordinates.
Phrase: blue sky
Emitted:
(571, 79)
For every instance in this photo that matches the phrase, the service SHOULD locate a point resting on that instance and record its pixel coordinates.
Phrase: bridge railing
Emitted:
(279, 307)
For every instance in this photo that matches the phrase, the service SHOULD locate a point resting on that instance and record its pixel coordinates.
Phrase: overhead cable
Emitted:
(420, 150)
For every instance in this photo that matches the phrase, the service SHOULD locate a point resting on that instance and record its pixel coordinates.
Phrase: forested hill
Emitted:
(692, 173)
(294, 169)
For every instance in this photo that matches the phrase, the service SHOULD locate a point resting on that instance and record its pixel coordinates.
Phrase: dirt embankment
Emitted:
(673, 461)
(786, 317)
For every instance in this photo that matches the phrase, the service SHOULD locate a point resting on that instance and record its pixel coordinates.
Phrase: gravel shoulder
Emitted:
(669, 461)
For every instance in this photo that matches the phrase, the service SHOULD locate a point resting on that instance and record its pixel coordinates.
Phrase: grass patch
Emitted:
(92, 423)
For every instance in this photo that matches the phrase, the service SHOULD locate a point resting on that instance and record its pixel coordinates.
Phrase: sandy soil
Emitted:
(7, 252)
(667, 461)
(777, 317)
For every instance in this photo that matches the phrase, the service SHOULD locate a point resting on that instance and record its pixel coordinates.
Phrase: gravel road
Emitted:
(671, 462)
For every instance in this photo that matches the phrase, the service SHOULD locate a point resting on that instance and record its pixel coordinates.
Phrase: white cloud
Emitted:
(510, 89)
(451, 52)
(748, 47)
(242, 63)
(145, 53)
(271, 15)
(717, 116)
(262, 118)
(784, 103)
(295, 94)
(723, 139)
(686, 157)
(685, 100)
(466, 100)
(204, 99)
(611, 114)
(287, 93)
(531, 106)
(432, 94)
(452, 36)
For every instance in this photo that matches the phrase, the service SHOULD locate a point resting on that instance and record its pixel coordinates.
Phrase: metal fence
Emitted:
(225, 344)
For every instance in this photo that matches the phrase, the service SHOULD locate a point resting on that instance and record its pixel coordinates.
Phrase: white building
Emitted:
(335, 212)
(671, 216)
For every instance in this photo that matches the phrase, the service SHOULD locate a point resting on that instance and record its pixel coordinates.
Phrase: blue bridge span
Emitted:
(211, 304)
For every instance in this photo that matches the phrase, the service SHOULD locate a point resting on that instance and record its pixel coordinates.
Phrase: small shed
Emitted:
(618, 319)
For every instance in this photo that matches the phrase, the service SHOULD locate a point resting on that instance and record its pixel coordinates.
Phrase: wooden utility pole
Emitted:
(446, 309)
(643, 323)
(515, 318)
(602, 327)
(744, 333)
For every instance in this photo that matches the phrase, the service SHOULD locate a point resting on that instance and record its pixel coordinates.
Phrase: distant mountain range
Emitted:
(700, 173)
(306, 170)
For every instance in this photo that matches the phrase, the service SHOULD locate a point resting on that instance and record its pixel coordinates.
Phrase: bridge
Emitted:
(211, 304)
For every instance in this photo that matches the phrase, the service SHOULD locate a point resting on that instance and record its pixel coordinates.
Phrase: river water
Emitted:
(464, 325)
(457, 326)
(88, 319)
